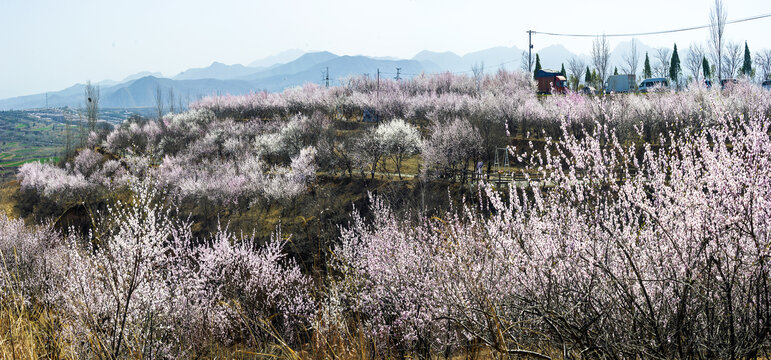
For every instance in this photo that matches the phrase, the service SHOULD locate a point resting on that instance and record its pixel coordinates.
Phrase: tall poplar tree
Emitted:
(747, 66)
(537, 65)
(647, 72)
(705, 68)
(588, 77)
(674, 66)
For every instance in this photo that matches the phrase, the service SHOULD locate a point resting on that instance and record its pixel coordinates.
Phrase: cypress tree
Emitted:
(588, 77)
(537, 65)
(747, 67)
(615, 71)
(563, 72)
(705, 68)
(647, 73)
(674, 65)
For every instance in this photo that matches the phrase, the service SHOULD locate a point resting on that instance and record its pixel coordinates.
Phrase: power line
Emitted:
(531, 32)
(398, 73)
(652, 32)
(621, 35)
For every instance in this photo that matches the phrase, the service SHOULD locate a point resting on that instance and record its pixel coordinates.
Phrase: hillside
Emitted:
(283, 224)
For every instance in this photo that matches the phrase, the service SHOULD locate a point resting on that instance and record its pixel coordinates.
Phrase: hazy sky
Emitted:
(48, 45)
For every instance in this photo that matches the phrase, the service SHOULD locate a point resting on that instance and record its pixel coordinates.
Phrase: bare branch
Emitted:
(577, 68)
(732, 59)
(159, 101)
(693, 61)
(601, 57)
(662, 67)
(631, 59)
(763, 62)
(717, 20)
(92, 105)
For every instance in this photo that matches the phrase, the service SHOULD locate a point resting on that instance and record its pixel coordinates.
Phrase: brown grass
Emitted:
(7, 191)
(30, 332)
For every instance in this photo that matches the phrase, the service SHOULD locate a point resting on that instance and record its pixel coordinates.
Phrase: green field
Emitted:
(18, 163)
(27, 136)
(40, 134)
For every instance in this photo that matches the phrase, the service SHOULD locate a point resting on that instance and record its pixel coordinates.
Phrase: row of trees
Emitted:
(724, 60)
(736, 62)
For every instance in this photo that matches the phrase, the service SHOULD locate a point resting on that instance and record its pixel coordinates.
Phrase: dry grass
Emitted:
(28, 332)
(7, 192)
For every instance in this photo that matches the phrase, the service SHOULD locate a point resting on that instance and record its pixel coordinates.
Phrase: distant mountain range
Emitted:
(293, 68)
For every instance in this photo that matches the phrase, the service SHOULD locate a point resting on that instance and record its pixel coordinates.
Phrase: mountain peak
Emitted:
(280, 58)
(426, 54)
(216, 70)
(141, 75)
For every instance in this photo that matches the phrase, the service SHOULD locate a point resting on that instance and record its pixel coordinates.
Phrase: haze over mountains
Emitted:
(293, 68)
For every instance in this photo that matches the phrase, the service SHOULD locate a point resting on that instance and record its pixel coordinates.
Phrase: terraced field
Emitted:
(41, 134)
(27, 136)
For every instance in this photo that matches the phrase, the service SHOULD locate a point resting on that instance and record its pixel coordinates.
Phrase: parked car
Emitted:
(728, 82)
(369, 116)
(653, 84)
(767, 84)
(588, 90)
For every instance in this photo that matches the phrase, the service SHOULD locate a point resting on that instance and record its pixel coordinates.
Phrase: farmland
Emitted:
(27, 136)
(41, 135)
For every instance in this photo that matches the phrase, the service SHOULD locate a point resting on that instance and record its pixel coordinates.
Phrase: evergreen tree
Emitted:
(615, 71)
(647, 73)
(588, 77)
(674, 66)
(537, 65)
(747, 67)
(705, 68)
(563, 72)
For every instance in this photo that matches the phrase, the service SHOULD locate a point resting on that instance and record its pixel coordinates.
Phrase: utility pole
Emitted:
(397, 74)
(530, 50)
(377, 96)
(68, 136)
(326, 78)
